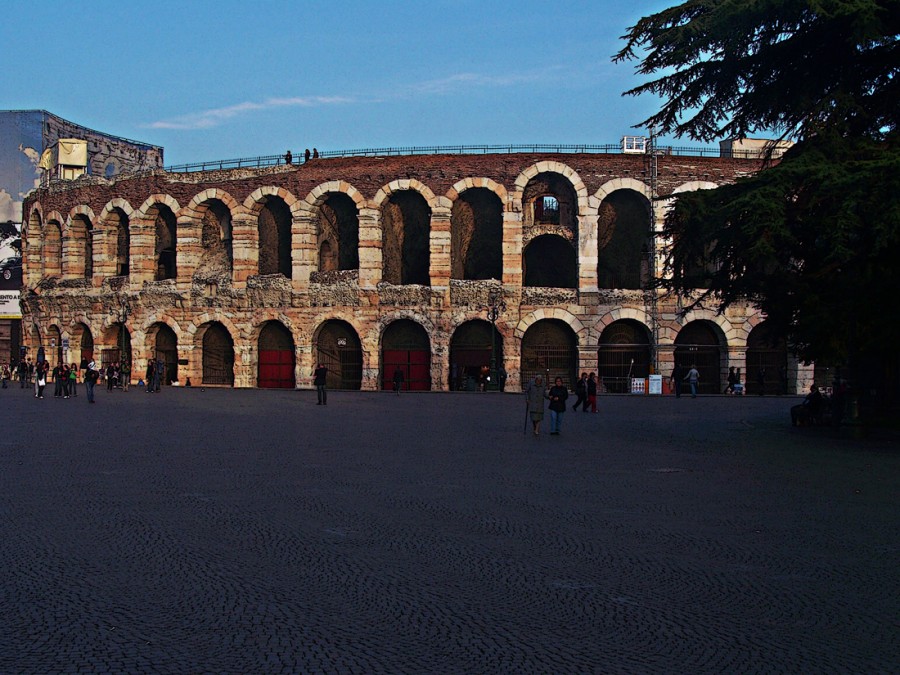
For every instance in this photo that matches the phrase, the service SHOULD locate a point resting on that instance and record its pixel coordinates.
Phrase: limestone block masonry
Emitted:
(250, 277)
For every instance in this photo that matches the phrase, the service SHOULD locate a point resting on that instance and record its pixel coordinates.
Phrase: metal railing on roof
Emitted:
(265, 161)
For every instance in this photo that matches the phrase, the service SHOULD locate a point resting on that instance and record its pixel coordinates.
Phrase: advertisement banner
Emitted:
(9, 305)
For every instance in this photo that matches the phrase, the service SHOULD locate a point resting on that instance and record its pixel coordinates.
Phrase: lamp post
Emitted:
(496, 307)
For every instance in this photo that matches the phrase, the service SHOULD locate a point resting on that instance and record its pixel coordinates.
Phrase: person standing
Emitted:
(23, 374)
(321, 376)
(40, 379)
(693, 378)
(676, 379)
(124, 375)
(732, 380)
(110, 376)
(73, 379)
(558, 395)
(534, 402)
(151, 371)
(91, 375)
(57, 376)
(581, 393)
(65, 380)
(398, 379)
(501, 378)
(5, 376)
(592, 392)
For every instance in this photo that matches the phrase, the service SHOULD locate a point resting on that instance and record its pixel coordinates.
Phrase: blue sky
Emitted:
(241, 78)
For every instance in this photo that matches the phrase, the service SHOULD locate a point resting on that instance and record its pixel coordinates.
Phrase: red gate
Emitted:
(276, 369)
(416, 367)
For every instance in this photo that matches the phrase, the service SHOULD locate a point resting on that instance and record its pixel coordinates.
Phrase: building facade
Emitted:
(449, 267)
(27, 136)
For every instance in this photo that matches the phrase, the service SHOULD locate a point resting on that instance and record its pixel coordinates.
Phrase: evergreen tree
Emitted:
(813, 240)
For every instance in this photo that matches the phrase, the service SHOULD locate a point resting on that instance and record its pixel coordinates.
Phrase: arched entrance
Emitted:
(405, 345)
(624, 353)
(470, 354)
(86, 354)
(166, 348)
(121, 346)
(339, 350)
(697, 344)
(218, 355)
(54, 350)
(550, 262)
(550, 349)
(276, 357)
(767, 371)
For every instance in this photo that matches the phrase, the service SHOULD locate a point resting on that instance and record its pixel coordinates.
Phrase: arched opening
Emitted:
(117, 222)
(406, 233)
(32, 243)
(623, 241)
(476, 236)
(218, 355)
(624, 353)
(550, 349)
(54, 352)
(275, 237)
(338, 348)
(81, 232)
(549, 200)
(338, 221)
(118, 337)
(51, 253)
(276, 357)
(698, 344)
(166, 242)
(767, 361)
(166, 352)
(86, 347)
(215, 240)
(405, 345)
(550, 261)
(470, 354)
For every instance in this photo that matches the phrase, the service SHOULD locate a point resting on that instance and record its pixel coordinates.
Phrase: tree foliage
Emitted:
(812, 240)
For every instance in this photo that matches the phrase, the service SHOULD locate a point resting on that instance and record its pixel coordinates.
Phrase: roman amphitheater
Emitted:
(452, 266)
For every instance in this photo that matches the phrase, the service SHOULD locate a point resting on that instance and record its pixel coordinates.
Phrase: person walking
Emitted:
(732, 380)
(592, 392)
(6, 376)
(23, 374)
(535, 394)
(677, 379)
(40, 379)
(398, 379)
(581, 393)
(321, 376)
(91, 375)
(110, 376)
(693, 379)
(558, 395)
(65, 380)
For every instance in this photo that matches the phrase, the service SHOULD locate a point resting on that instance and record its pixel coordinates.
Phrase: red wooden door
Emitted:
(276, 369)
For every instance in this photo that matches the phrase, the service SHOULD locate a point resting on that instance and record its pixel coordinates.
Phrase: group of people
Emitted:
(118, 376)
(536, 393)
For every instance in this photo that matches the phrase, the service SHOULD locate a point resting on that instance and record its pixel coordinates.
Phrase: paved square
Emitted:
(244, 531)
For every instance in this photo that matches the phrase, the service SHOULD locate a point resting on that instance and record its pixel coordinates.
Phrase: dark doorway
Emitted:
(276, 357)
(550, 349)
(405, 345)
(470, 355)
(624, 354)
(167, 353)
(339, 350)
(550, 262)
(767, 371)
(697, 344)
(218, 356)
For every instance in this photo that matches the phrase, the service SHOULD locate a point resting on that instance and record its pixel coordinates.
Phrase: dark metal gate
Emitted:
(618, 363)
(344, 366)
(549, 361)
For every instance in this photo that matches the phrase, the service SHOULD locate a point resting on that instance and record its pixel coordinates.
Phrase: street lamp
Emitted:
(496, 307)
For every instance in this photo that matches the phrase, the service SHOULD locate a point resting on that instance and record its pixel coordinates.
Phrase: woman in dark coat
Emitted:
(534, 398)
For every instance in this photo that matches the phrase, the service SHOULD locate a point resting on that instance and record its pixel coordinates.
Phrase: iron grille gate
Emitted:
(618, 363)
(549, 361)
(344, 366)
(218, 366)
(772, 365)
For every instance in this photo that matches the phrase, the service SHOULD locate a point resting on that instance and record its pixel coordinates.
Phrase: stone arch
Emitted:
(406, 211)
(552, 166)
(274, 211)
(624, 351)
(624, 239)
(475, 354)
(622, 184)
(219, 351)
(276, 346)
(319, 194)
(115, 230)
(78, 243)
(256, 199)
(52, 244)
(407, 345)
(694, 185)
(337, 344)
(528, 320)
(476, 229)
(208, 218)
(32, 244)
(549, 347)
(702, 341)
(404, 184)
(155, 199)
(158, 218)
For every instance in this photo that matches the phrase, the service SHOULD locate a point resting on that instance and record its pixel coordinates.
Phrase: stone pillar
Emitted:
(304, 253)
(587, 252)
(188, 248)
(142, 264)
(370, 257)
(439, 248)
(244, 248)
(512, 247)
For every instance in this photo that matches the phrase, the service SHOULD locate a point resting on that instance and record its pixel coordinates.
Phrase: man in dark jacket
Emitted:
(321, 374)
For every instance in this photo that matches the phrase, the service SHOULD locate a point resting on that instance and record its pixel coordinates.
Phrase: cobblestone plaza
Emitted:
(250, 531)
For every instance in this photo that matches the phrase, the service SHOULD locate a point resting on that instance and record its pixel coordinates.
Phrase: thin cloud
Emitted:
(207, 119)
(215, 116)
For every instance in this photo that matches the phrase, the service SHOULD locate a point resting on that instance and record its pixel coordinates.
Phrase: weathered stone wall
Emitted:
(230, 282)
